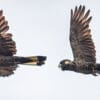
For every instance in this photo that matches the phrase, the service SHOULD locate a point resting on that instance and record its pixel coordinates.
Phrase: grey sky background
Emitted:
(41, 27)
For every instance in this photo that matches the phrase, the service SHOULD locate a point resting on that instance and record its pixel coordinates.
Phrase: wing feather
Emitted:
(7, 46)
(80, 35)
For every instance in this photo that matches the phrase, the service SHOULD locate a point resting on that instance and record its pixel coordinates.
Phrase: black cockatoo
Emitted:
(9, 62)
(81, 43)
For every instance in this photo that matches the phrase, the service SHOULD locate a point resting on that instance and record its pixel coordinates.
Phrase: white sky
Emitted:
(41, 27)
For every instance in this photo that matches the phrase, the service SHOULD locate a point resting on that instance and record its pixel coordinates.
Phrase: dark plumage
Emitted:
(9, 62)
(81, 43)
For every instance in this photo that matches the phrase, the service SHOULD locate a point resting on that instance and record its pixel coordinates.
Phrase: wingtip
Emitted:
(1, 12)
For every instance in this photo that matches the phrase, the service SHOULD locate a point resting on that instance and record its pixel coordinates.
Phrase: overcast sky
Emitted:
(41, 27)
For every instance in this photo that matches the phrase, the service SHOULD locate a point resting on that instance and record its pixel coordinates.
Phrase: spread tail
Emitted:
(32, 60)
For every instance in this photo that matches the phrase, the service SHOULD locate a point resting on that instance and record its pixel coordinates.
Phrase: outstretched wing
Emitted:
(80, 35)
(7, 46)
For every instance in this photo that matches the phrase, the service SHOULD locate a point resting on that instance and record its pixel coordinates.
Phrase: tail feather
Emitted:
(38, 60)
(32, 60)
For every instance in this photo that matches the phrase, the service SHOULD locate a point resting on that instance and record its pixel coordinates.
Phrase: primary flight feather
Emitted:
(81, 43)
(9, 62)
